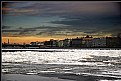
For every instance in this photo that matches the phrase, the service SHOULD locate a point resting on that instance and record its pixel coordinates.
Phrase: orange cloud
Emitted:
(23, 10)
(6, 9)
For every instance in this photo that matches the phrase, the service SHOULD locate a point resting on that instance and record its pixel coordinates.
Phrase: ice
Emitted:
(47, 71)
(79, 61)
(71, 56)
(31, 73)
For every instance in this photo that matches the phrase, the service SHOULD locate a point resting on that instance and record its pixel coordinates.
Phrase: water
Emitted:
(103, 64)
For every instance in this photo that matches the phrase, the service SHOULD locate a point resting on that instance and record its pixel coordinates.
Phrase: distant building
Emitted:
(60, 43)
(37, 43)
(113, 42)
(51, 43)
(48, 43)
(119, 39)
(54, 43)
(8, 41)
(41, 43)
(99, 42)
(87, 41)
(119, 35)
(76, 42)
(33, 43)
(66, 43)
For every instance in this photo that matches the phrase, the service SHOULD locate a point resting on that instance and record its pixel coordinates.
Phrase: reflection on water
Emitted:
(97, 64)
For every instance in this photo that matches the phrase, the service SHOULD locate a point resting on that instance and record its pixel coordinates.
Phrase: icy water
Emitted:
(72, 64)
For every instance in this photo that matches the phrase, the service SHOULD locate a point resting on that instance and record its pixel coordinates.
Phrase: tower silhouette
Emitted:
(8, 41)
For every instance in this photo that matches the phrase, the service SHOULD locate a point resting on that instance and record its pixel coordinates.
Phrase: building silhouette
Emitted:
(76, 42)
(8, 41)
(87, 41)
(82, 42)
(99, 42)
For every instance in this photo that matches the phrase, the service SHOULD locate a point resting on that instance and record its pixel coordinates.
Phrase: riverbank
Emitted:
(21, 77)
(56, 49)
(53, 77)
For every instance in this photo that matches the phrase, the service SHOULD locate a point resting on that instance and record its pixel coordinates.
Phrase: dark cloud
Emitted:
(19, 30)
(89, 21)
(91, 32)
(6, 27)
(40, 33)
(91, 24)
(113, 31)
(63, 31)
(10, 31)
(62, 8)
(28, 29)
(43, 30)
(46, 30)
(24, 31)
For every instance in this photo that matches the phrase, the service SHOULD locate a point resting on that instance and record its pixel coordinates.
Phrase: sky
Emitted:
(28, 21)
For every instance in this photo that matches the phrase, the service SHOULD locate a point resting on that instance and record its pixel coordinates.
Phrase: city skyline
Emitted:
(24, 22)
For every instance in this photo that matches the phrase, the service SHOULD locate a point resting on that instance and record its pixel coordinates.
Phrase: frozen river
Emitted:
(104, 64)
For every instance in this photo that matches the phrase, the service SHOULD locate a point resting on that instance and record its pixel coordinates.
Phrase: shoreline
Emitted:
(54, 77)
(69, 48)
(23, 77)
(55, 49)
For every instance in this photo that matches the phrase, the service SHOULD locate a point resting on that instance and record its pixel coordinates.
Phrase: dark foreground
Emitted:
(54, 77)
(20, 77)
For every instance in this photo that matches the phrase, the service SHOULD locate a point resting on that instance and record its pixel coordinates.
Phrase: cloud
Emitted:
(30, 31)
(62, 8)
(40, 33)
(10, 31)
(72, 26)
(19, 12)
(56, 32)
(17, 31)
(45, 31)
(23, 10)
(91, 32)
(6, 27)
(13, 35)
(75, 31)
(10, 8)
(26, 31)
(7, 9)
(93, 23)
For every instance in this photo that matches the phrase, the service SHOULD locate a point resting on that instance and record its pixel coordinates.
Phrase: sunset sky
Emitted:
(24, 22)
